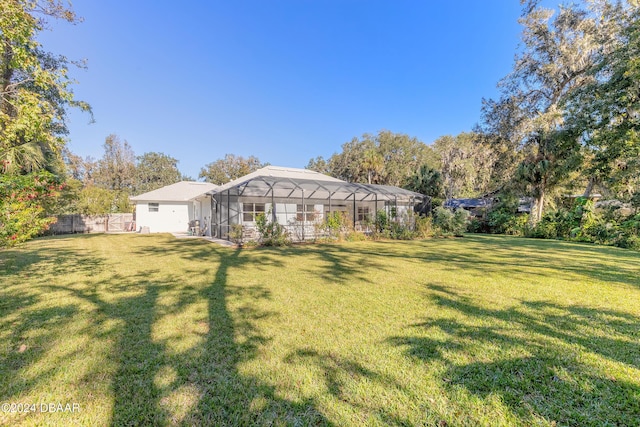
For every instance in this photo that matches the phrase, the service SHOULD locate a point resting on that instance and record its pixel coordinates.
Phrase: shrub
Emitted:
(628, 241)
(355, 236)
(517, 225)
(498, 219)
(400, 231)
(632, 225)
(546, 228)
(460, 222)
(576, 220)
(336, 225)
(450, 223)
(505, 222)
(424, 227)
(22, 206)
(402, 228)
(236, 234)
(271, 233)
(503, 218)
(381, 221)
(582, 223)
(478, 225)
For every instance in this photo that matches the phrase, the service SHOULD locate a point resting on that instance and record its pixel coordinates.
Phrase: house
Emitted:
(478, 207)
(299, 199)
(178, 207)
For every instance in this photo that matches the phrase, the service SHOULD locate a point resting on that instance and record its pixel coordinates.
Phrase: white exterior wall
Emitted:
(286, 216)
(286, 213)
(171, 216)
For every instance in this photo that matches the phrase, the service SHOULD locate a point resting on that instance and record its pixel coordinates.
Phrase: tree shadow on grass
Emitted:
(480, 255)
(547, 362)
(338, 264)
(205, 386)
(153, 382)
(28, 342)
(585, 260)
(202, 383)
(340, 376)
(226, 397)
(133, 351)
(31, 320)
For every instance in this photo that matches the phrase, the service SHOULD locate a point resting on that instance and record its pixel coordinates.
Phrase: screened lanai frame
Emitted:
(228, 201)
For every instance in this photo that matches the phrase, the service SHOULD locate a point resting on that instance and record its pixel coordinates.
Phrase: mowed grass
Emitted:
(482, 330)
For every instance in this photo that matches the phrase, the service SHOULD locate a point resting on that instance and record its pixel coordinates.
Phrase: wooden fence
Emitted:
(76, 223)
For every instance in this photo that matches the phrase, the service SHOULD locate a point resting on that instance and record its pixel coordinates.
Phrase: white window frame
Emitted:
(252, 211)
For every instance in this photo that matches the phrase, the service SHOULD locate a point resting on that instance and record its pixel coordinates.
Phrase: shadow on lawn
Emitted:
(205, 387)
(152, 383)
(544, 374)
(34, 326)
(220, 395)
(544, 360)
(340, 376)
(486, 254)
(333, 263)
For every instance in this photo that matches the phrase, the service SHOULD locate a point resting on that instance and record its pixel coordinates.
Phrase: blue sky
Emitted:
(284, 80)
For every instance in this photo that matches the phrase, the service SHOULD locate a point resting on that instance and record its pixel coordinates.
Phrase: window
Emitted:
(251, 210)
(154, 207)
(305, 213)
(363, 213)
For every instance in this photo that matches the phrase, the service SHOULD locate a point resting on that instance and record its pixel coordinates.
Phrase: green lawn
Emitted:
(482, 330)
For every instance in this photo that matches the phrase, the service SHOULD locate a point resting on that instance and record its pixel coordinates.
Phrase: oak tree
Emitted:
(231, 167)
(527, 121)
(155, 170)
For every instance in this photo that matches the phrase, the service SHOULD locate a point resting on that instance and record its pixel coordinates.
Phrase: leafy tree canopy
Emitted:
(35, 93)
(155, 170)
(465, 163)
(231, 167)
(35, 87)
(527, 122)
(606, 112)
(427, 181)
(386, 158)
(117, 168)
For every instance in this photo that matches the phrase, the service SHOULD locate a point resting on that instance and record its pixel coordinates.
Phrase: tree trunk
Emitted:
(536, 210)
(589, 189)
(5, 78)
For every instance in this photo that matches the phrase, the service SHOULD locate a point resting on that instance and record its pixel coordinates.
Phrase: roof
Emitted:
(467, 203)
(524, 203)
(284, 182)
(279, 172)
(179, 192)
